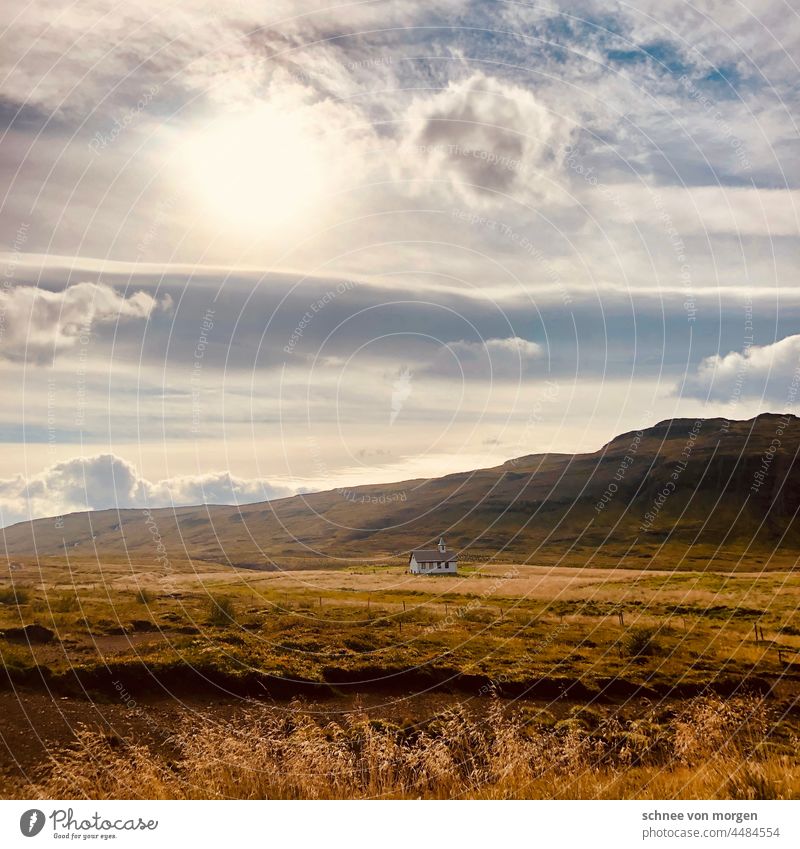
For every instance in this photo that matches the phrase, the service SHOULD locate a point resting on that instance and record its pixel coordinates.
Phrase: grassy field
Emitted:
(507, 623)
(708, 749)
(579, 648)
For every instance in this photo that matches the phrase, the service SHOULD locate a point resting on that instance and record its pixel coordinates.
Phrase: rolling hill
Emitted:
(703, 485)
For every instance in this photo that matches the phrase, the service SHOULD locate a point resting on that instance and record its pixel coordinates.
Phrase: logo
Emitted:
(31, 822)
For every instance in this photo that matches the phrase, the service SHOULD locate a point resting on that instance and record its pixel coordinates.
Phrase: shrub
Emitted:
(144, 596)
(14, 595)
(710, 727)
(221, 611)
(63, 603)
(641, 642)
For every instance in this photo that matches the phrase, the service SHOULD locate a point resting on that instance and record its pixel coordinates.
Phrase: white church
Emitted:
(433, 561)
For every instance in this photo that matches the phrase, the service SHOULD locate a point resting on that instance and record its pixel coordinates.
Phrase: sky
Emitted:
(254, 249)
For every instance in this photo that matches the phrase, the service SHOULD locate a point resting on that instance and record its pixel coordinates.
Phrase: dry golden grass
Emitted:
(506, 623)
(712, 749)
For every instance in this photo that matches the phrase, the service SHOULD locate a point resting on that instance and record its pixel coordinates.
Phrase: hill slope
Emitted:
(707, 482)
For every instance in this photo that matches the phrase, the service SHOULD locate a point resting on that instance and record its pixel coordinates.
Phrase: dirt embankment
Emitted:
(142, 679)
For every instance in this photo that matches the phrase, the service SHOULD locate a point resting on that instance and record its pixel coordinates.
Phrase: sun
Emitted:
(263, 172)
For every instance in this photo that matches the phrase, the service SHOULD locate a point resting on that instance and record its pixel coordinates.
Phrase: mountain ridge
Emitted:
(686, 481)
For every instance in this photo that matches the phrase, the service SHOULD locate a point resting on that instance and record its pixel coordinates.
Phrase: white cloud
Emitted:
(748, 36)
(74, 58)
(761, 371)
(69, 58)
(36, 322)
(497, 359)
(520, 348)
(106, 481)
(709, 209)
(486, 138)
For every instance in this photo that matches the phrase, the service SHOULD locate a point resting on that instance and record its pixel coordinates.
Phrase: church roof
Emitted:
(428, 555)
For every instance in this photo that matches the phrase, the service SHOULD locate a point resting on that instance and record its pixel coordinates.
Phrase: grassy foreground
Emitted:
(605, 631)
(709, 749)
(515, 681)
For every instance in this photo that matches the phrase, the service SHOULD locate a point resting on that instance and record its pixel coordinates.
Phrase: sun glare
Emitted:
(263, 172)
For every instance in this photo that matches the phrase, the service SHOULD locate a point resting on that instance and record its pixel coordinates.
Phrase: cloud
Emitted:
(484, 137)
(35, 322)
(521, 348)
(464, 102)
(106, 481)
(489, 359)
(62, 59)
(749, 38)
(761, 371)
(73, 59)
(710, 209)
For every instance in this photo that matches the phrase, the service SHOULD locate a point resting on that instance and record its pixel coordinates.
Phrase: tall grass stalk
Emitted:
(712, 750)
